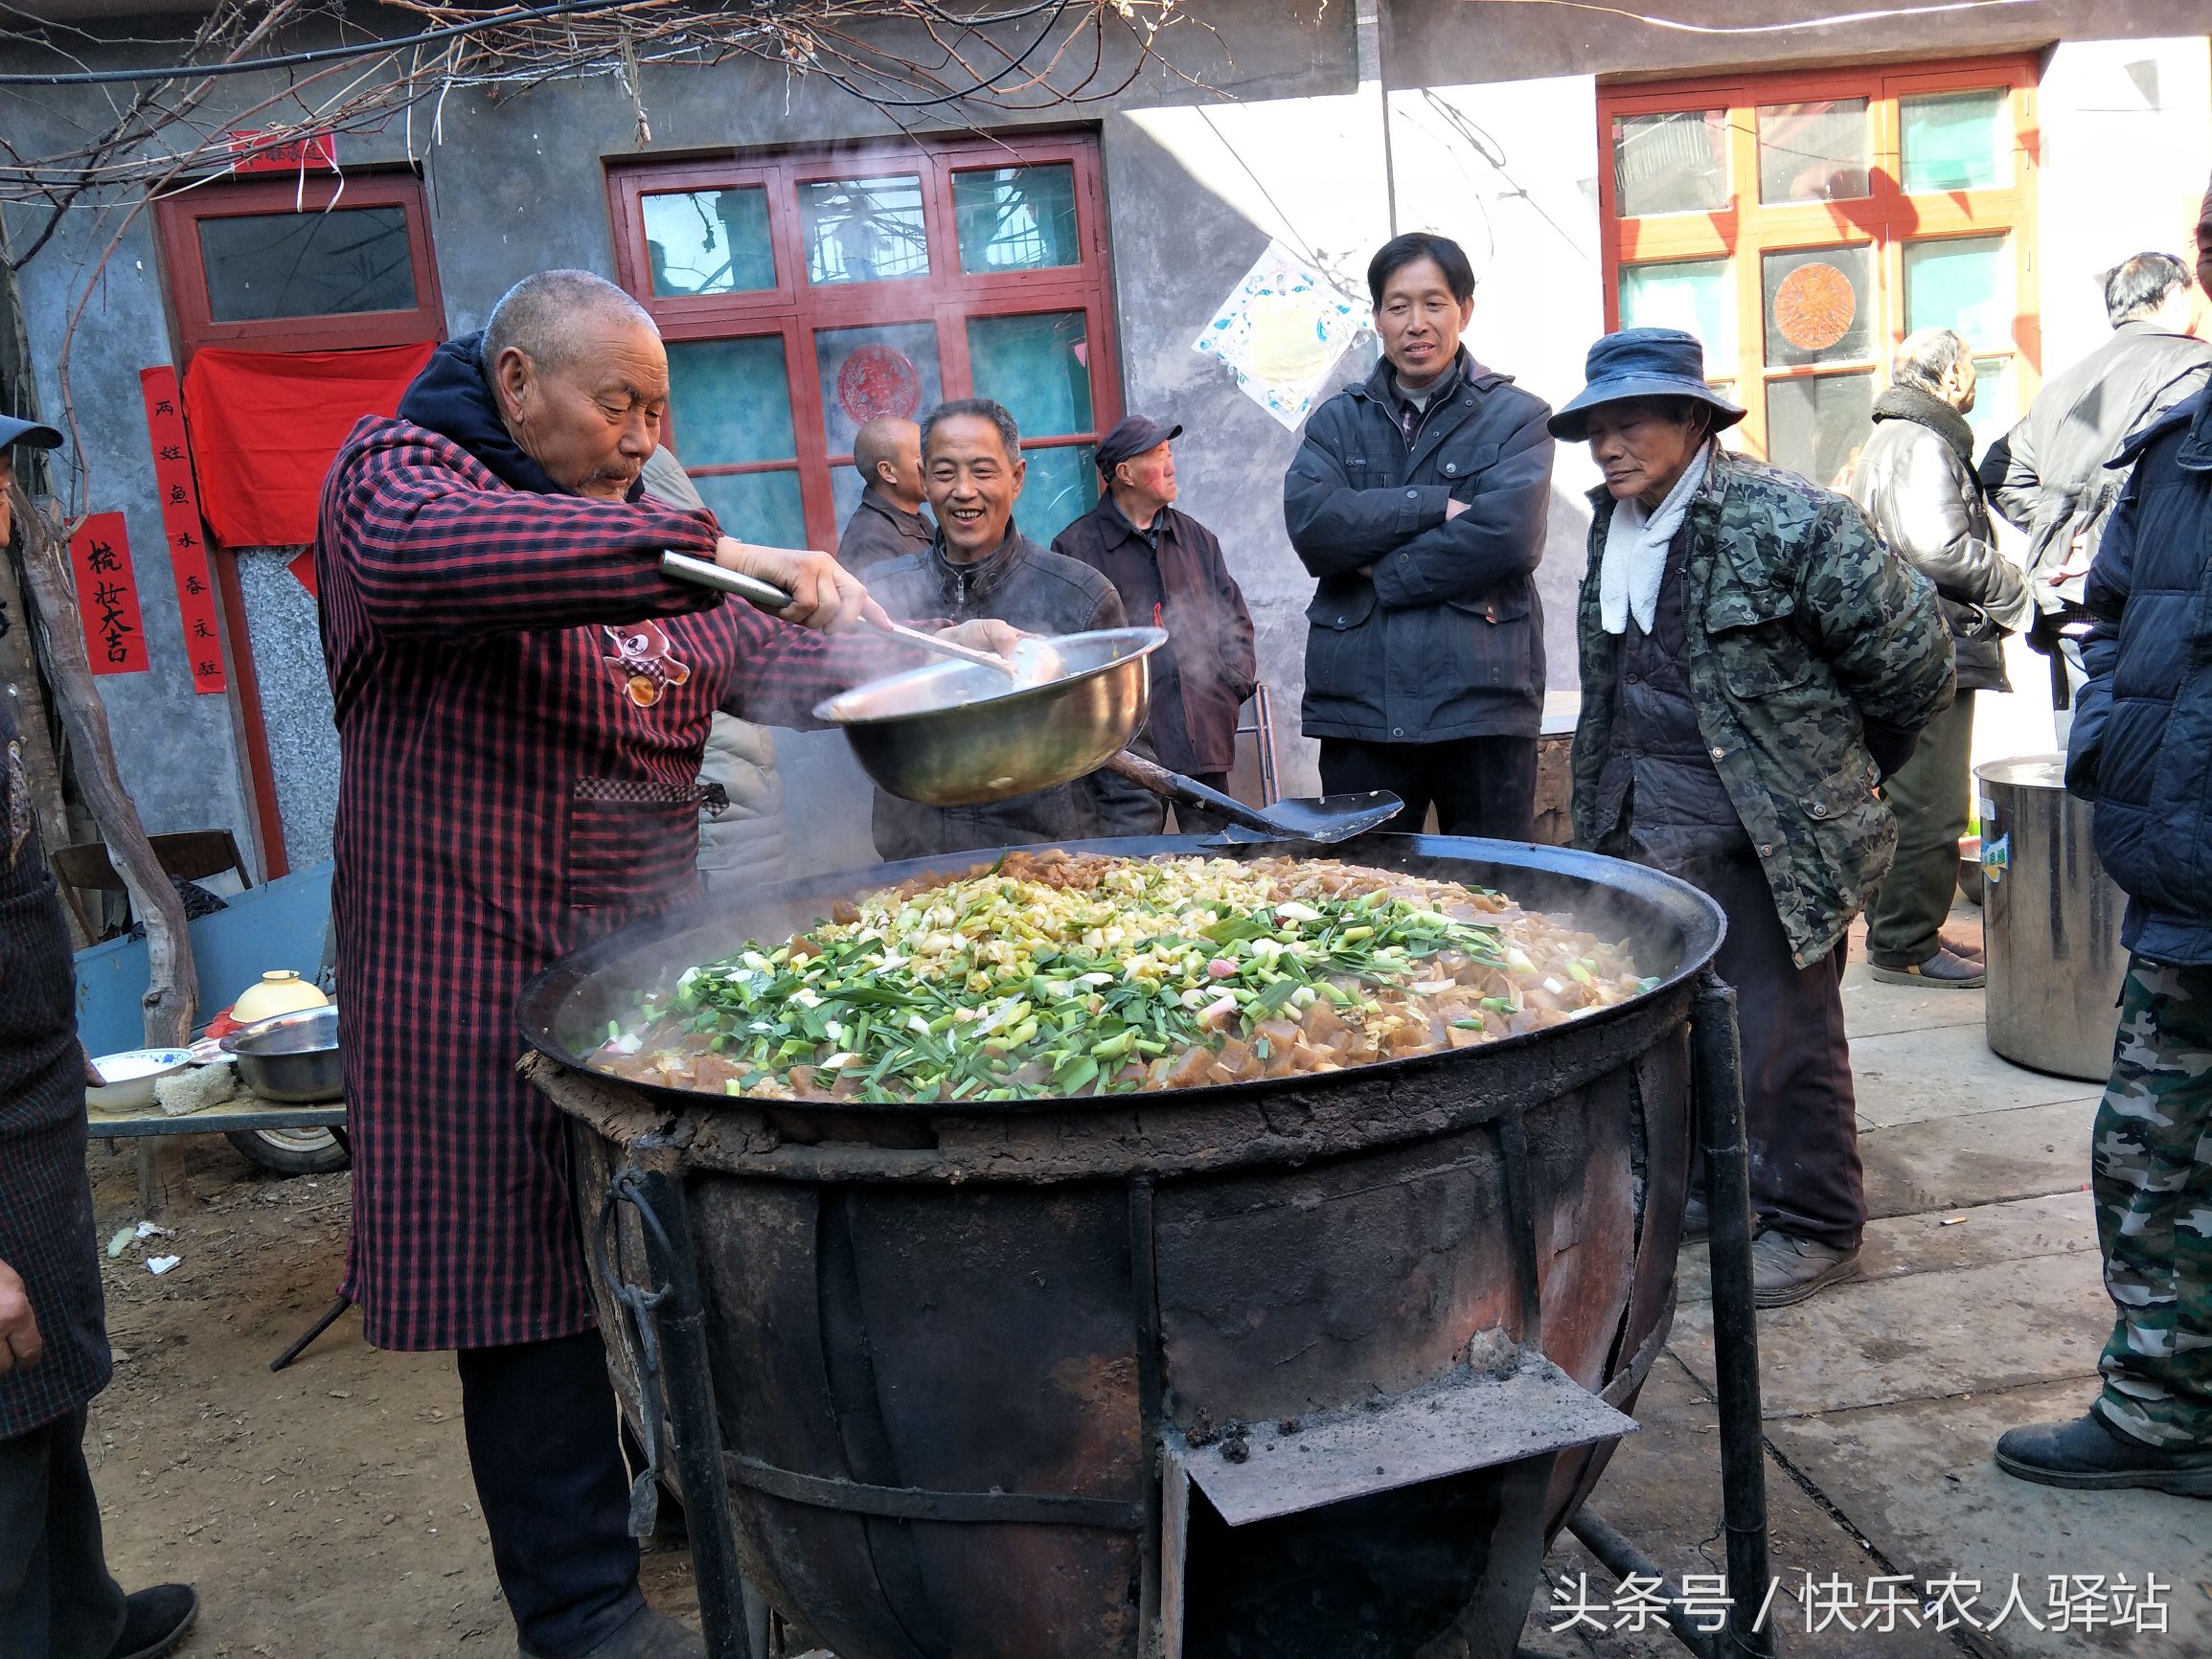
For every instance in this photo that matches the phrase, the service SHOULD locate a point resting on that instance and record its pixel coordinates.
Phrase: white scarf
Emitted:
(1635, 555)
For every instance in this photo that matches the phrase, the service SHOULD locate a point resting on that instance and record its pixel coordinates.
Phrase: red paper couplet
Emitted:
(252, 151)
(107, 595)
(182, 529)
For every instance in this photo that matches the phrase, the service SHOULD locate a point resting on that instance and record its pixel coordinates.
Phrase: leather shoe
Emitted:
(1697, 1221)
(643, 1635)
(2089, 1455)
(1787, 1269)
(1942, 969)
(155, 1621)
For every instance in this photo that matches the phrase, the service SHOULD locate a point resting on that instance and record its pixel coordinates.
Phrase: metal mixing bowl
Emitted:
(953, 734)
(292, 1057)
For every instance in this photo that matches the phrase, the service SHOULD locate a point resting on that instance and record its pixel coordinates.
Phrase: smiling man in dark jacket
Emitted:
(2141, 749)
(1418, 501)
(980, 564)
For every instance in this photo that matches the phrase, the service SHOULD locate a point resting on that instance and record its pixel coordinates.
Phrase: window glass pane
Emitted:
(730, 401)
(1964, 284)
(713, 241)
(1816, 427)
(1819, 305)
(1037, 366)
(1676, 163)
(762, 507)
(1016, 218)
(316, 265)
(1060, 487)
(863, 230)
(1695, 295)
(1813, 151)
(890, 369)
(1959, 141)
(1995, 402)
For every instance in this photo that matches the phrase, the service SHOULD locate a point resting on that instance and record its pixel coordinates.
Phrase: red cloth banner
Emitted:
(303, 566)
(107, 595)
(266, 425)
(182, 529)
(252, 152)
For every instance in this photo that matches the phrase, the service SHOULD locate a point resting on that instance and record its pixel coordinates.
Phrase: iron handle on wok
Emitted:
(705, 572)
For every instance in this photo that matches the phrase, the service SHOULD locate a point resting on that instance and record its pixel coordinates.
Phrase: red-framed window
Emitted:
(802, 291)
(320, 264)
(1802, 226)
(292, 264)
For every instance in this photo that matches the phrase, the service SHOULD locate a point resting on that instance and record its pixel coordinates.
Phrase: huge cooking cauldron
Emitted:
(943, 1338)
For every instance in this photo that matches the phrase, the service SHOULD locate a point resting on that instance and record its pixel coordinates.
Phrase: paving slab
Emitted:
(1947, 1072)
(1917, 1480)
(1663, 1491)
(1872, 1008)
(1952, 1164)
(1969, 1331)
(1900, 1246)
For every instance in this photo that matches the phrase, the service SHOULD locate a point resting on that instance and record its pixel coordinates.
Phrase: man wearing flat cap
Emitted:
(1169, 571)
(1754, 661)
(58, 1598)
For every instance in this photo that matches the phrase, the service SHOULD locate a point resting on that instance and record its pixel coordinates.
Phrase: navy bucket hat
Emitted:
(1642, 363)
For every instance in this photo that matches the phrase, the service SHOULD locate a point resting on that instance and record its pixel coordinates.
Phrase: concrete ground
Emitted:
(1979, 1307)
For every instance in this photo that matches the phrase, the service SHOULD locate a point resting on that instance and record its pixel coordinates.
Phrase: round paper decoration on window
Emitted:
(879, 380)
(1814, 307)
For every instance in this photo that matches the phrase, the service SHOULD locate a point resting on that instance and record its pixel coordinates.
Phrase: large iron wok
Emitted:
(976, 730)
(957, 1365)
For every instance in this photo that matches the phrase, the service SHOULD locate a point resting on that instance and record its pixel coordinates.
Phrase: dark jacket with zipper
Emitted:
(878, 532)
(1202, 675)
(2141, 748)
(1042, 593)
(1443, 637)
(1916, 482)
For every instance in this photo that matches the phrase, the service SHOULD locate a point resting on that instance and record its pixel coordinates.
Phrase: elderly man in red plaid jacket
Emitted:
(522, 700)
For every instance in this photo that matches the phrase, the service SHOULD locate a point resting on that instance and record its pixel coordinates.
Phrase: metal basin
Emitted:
(952, 734)
(952, 1343)
(292, 1057)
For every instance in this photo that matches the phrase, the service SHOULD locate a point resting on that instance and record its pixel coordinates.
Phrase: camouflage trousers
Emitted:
(2151, 1176)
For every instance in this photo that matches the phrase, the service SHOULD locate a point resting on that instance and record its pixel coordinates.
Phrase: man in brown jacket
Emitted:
(1169, 571)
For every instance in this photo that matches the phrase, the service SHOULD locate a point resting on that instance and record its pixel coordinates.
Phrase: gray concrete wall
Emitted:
(178, 751)
(1440, 41)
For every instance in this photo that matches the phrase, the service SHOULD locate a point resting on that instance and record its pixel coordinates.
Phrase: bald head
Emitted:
(581, 377)
(887, 452)
(547, 316)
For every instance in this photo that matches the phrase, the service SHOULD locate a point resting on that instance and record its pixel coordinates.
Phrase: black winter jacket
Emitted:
(1915, 481)
(1443, 637)
(1043, 593)
(2049, 475)
(1202, 675)
(2141, 748)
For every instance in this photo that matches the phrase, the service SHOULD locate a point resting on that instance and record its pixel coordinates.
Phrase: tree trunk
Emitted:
(19, 682)
(169, 992)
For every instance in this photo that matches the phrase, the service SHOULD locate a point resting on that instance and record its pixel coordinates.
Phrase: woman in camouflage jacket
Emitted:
(1753, 661)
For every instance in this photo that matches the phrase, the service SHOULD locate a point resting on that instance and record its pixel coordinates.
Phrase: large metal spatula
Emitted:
(1324, 818)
